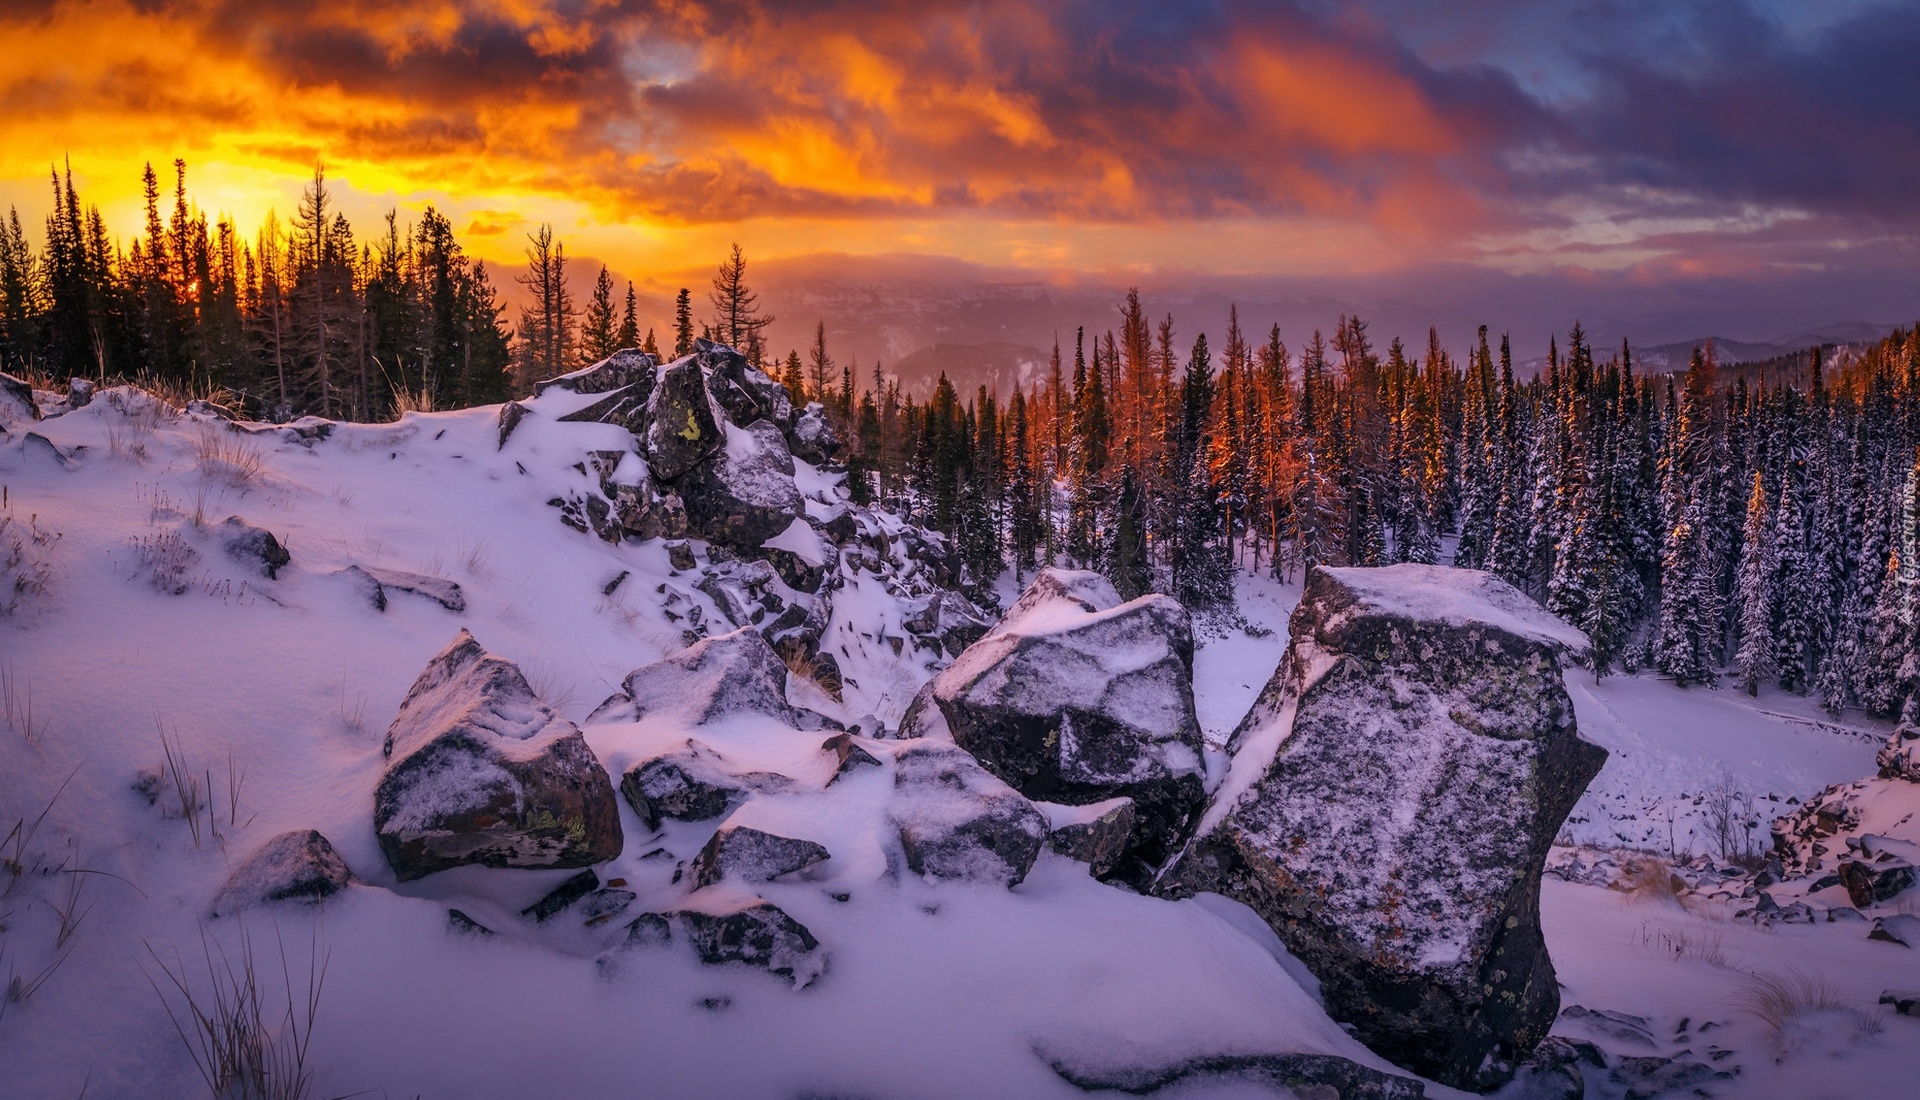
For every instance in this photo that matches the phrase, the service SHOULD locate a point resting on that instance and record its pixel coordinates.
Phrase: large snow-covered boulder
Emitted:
(713, 678)
(745, 495)
(681, 429)
(1389, 807)
(626, 367)
(1076, 697)
(744, 393)
(480, 771)
(957, 821)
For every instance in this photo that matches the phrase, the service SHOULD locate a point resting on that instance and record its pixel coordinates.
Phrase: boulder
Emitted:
(1906, 1002)
(746, 854)
(257, 547)
(752, 932)
(511, 414)
(1389, 807)
(1869, 882)
(621, 370)
(713, 678)
(957, 821)
(691, 784)
(1077, 698)
(79, 393)
(376, 583)
(1899, 758)
(744, 393)
(848, 756)
(1096, 835)
(480, 771)
(801, 557)
(746, 495)
(682, 430)
(1308, 1076)
(16, 402)
(1900, 928)
(813, 439)
(296, 866)
(556, 901)
(680, 553)
(628, 407)
(949, 620)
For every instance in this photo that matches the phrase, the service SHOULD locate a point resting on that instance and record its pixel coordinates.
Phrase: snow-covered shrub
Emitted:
(165, 557)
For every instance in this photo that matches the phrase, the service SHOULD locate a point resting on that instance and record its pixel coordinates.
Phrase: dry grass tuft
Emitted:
(1777, 999)
(1650, 879)
(816, 669)
(225, 456)
(411, 401)
(243, 1048)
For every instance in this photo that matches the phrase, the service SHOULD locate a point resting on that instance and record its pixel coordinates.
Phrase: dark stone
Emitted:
(250, 544)
(1557, 1070)
(1900, 928)
(1306, 1076)
(750, 855)
(511, 414)
(680, 555)
(627, 407)
(950, 619)
(691, 784)
(1899, 758)
(649, 930)
(1077, 698)
(849, 756)
(1099, 840)
(956, 820)
(757, 934)
(736, 673)
(1906, 1002)
(376, 583)
(681, 429)
(16, 391)
(804, 573)
(570, 890)
(623, 369)
(480, 771)
(602, 906)
(296, 866)
(746, 495)
(812, 438)
(1423, 924)
(743, 393)
(1868, 883)
(458, 921)
(79, 393)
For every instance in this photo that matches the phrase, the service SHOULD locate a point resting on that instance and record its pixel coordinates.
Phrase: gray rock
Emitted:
(1390, 805)
(949, 619)
(1870, 882)
(296, 866)
(16, 401)
(623, 369)
(257, 547)
(746, 854)
(812, 438)
(79, 393)
(1077, 698)
(691, 784)
(557, 900)
(682, 431)
(480, 771)
(458, 921)
(1096, 835)
(376, 583)
(603, 905)
(713, 678)
(746, 494)
(742, 392)
(1899, 758)
(756, 933)
(956, 820)
(680, 555)
(511, 414)
(1557, 1070)
(1900, 928)
(848, 756)
(1306, 1076)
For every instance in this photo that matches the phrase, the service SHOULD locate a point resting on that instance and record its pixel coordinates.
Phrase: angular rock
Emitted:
(376, 583)
(628, 407)
(1900, 928)
(1871, 882)
(458, 921)
(1077, 698)
(950, 620)
(1899, 758)
(756, 933)
(603, 905)
(813, 439)
(480, 771)
(296, 866)
(680, 555)
(511, 414)
(746, 495)
(691, 784)
(257, 547)
(801, 557)
(742, 392)
(713, 678)
(682, 430)
(1096, 835)
(1308, 1076)
(849, 756)
(743, 591)
(570, 890)
(746, 854)
(795, 632)
(956, 820)
(1389, 808)
(624, 368)
(79, 393)
(1906, 1002)
(16, 401)
(1556, 1070)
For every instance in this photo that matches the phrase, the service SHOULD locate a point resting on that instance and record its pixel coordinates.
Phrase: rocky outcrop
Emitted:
(744, 393)
(681, 429)
(480, 771)
(813, 439)
(956, 820)
(736, 673)
(1389, 808)
(751, 932)
(624, 369)
(1077, 698)
(296, 866)
(746, 495)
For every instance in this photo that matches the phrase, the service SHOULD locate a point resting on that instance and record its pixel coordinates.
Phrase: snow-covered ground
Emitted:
(138, 635)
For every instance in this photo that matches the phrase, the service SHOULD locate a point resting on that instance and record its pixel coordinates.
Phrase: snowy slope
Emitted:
(280, 691)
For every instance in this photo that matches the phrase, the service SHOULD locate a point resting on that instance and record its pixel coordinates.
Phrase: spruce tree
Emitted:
(1754, 661)
(683, 324)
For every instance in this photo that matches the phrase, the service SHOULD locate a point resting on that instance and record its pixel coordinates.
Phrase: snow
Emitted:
(802, 541)
(279, 691)
(1457, 597)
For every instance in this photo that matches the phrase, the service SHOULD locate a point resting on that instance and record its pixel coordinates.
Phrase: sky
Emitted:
(1649, 165)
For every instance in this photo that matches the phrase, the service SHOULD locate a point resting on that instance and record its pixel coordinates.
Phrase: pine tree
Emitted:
(628, 335)
(546, 336)
(1200, 575)
(793, 380)
(1754, 662)
(819, 366)
(683, 324)
(736, 309)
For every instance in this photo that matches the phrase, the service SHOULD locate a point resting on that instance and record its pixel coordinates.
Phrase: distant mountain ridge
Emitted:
(999, 366)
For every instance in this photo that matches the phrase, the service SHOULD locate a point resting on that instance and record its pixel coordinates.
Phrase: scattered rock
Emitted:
(16, 401)
(480, 771)
(956, 820)
(1077, 698)
(691, 784)
(376, 583)
(1438, 693)
(603, 905)
(746, 854)
(680, 555)
(850, 757)
(79, 393)
(813, 439)
(1096, 835)
(1899, 758)
(253, 545)
(296, 866)
(1900, 928)
(714, 678)
(1906, 1002)
(754, 933)
(1868, 883)
(949, 619)
(1555, 1070)
(511, 414)
(570, 890)
(458, 921)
